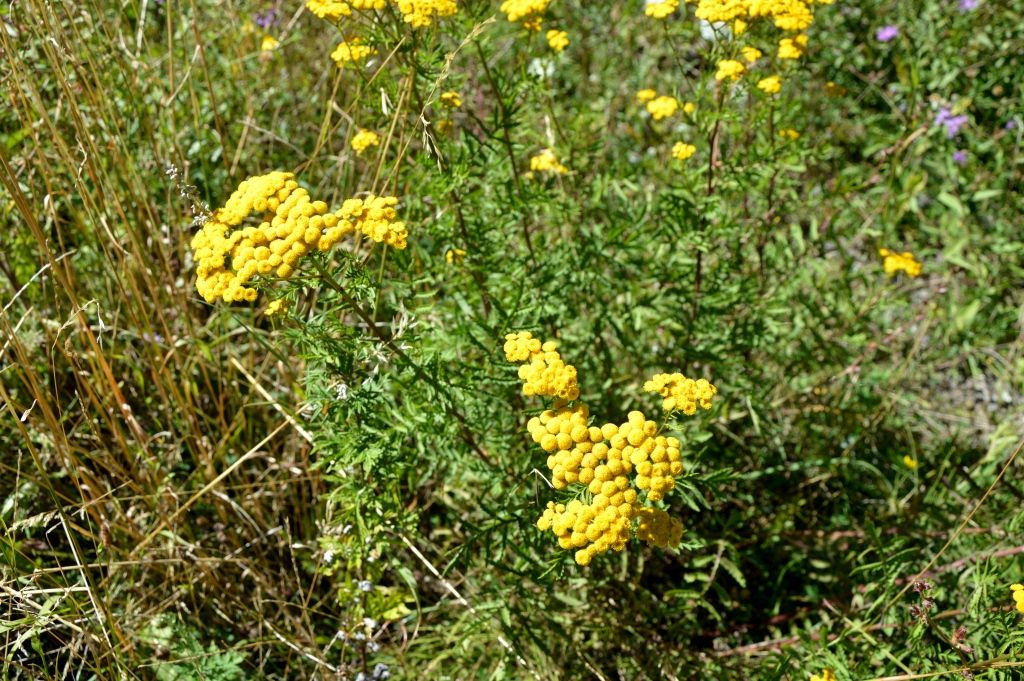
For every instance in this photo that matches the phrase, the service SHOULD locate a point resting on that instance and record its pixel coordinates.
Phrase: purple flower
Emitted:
(960, 157)
(887, 33)
(968, 5)
(952, 123)
(266, 20)
(1010, 124)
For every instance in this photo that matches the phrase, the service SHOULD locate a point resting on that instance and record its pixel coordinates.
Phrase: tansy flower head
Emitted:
(1018, 596)
(422, 13)
(659, 9)
(645, 95)
(826, 675)
(454, 256)
(682, 151)
(364, 139)
(770, 85)
(547, 162)
(276, 307)
(789, 134)
(451, 99)
(662, 107)
(557, 40)
(895, 262)
(351, 52)
(788, 49)
(229, 255)
(682, 393)
(269, 44)
(910, 462)
(731, 69)
(332, 10)
(751, 54)
(528, 12)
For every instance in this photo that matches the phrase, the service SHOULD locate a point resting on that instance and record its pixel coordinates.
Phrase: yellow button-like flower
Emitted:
(751, 54)
(682, 151)
(662, 107)
(557, 40)
(789, 134)
(363, 140)
(910, 462)
(547, 162)
(269, 44)
(529, 13)
(899, 262)
(788, 49)
(770, 85)
(451, 99)
(454, 256)
(729, 68)
(422, 13)
(645, 95)
(659, 9)
(352, 52)
(826, 675)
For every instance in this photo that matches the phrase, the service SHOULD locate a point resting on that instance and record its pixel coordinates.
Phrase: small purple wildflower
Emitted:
(960, 157)
(968, 5)
(951, 123)
(887, 33)
(1010, 124)
(267, 19)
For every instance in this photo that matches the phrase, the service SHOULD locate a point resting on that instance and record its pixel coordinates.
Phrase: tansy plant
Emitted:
(615, 471)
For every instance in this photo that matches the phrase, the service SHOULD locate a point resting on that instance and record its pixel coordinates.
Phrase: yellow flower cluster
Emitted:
(1018, 596)
(682, 393)
(790, 48)
(557, 40)
(789, 134)
(544, 373)
(894, 262)
(601, 459)
(731, 69)
(826, 675)
(351, 52)
(291, 225)
(645, 95)
(454, 256)
(363, 140)
(269, 44)
(770, 85)
(659, 9)
(787, 15)
(529, 12)
(662, 107)
(682, 151)
(750, 54)
(547, 162)
(451, 99)
(591, 529)
(421, 13)
(332, 10)
(659, 529)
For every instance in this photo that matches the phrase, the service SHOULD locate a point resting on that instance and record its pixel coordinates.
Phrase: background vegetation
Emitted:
(197, 491)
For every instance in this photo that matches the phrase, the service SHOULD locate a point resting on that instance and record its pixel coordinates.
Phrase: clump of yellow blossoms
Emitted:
(682, 393)
(363, 140)
(910, 462)
(228, 256)
(1018, 596)
(269, 44)
(557, 40)
(352, 52)
(770, 85)
(659, 9)
(682, 151)
(529, 12)
(789, 134)
(789, 49)
(332, 10)
(826, 675)
(451, 99)
(894, 262)
(454, 256)
(731, 69)
(662, 107)
(601, 459)
(645, 95)
(750, 54)
(547, 162)
(421, 13)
